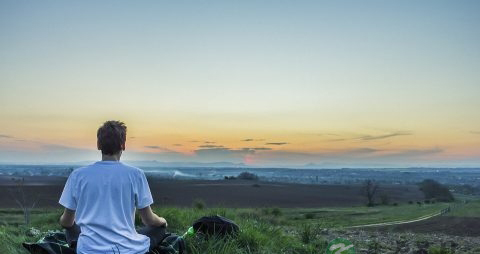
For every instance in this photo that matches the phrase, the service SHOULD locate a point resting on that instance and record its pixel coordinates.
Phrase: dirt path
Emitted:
(425, 217)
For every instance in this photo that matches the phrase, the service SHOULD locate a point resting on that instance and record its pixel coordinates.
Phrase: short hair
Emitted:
(111, 136)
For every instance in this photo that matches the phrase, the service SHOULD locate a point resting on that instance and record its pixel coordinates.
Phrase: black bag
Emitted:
(171, 244)
(215, 225)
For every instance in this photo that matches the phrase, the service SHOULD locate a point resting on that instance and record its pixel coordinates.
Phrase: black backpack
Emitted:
(215, 225)
(171, 244)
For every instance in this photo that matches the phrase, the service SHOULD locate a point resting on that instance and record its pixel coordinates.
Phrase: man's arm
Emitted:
(68, 218)
(149, 218)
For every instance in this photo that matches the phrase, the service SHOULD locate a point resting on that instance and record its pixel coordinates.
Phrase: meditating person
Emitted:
(100, 202)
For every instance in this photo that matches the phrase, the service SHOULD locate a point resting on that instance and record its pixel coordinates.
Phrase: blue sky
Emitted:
(302, 73)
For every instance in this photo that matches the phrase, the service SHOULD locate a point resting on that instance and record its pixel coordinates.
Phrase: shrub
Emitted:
(266, 211)
(374, 247)
(320, 245)
(276, 212)
(199, 204)
(247, 176)
(309, 215)
(439, 250)
(307, 234)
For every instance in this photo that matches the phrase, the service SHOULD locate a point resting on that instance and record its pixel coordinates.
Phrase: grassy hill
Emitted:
(263, 230)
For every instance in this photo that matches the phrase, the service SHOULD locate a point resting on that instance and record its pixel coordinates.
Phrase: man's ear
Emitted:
(98, 145)
(123, 146)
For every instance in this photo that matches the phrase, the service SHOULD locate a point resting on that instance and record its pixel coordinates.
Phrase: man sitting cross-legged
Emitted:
(100, 202)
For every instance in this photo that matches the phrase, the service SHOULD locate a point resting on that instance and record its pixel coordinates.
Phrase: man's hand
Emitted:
(68, 218)
(163, 222)
(149, 218)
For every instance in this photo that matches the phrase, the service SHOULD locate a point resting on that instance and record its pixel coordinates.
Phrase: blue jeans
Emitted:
(156, 235)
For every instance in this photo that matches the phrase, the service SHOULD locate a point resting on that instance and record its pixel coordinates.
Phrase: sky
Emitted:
(264, 83)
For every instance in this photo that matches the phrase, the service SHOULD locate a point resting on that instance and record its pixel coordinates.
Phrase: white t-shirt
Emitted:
(104, 196)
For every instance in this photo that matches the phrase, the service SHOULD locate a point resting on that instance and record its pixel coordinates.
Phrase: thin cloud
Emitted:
(337, 139)
(209, 142)
(177, 144)
(213, 149)
(376, 137)
(163, 149)
(328, 134)
(418, 152)
(153, 147)
(257, 148)
(251, 139)
(223, 152)
(276, 143)
(475, 132)
(5, 136)
(372, 137)
(363, 150)
(211, 146)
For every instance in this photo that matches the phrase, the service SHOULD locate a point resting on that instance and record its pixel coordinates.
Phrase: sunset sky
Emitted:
(265, 83)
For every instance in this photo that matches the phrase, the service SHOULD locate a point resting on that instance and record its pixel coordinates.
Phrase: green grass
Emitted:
(263, 230)
(353, 216)
(471, 209)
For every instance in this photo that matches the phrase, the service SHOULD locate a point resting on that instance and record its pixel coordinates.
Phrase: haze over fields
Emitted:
(264, 83)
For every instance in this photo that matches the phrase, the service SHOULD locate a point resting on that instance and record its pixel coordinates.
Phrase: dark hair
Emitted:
(111, 136)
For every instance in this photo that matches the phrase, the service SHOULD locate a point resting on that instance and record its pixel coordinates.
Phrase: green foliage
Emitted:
(276, 212)
(470, 209)
(439, 250)
(309, 216)
(11, 238)
(199, 204)
(307, 234)
(266, 211)
(374, 247)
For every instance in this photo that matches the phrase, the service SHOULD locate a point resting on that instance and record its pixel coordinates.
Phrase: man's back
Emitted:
(105, 195)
